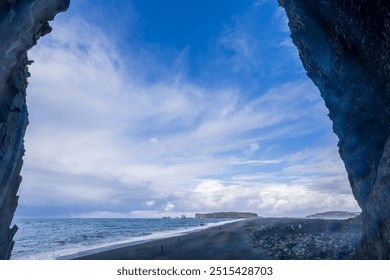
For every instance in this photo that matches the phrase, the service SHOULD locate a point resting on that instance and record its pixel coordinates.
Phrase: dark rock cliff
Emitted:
(226, 215)
(22, 23)
(344, 46)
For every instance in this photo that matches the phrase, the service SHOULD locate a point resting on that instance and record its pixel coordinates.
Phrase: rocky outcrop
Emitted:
(226, 215)
(307, 239)
(22, 23)
(333, 215)
(344, 46)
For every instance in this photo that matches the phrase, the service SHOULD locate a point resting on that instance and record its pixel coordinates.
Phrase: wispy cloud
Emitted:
(254, 162)
(251, 149)
(259, 3)
(237, 49)
(103, 140)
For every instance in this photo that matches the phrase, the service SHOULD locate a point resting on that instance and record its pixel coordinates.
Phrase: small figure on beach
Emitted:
(178, 240)
(150, 249)
(162, 249)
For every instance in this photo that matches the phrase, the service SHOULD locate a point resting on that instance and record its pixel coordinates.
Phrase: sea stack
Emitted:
(22, 23)
(344, 47)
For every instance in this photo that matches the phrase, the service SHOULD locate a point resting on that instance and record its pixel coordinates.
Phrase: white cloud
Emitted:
(251, 149)
(239, 50)
(253, 162)
(169, 207)
(150, 203)
(266, 199)
(209, 186)
(259, 3)
(100, 137)
(154, 141)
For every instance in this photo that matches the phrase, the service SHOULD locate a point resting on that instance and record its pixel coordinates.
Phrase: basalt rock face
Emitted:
(344, 46)
(22, 23)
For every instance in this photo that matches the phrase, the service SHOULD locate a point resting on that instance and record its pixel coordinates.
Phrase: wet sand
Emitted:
(243, 240)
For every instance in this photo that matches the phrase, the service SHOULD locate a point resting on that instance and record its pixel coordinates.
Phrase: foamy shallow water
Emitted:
(45, 239)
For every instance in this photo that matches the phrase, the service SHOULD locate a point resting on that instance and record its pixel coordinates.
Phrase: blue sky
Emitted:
(161, 108)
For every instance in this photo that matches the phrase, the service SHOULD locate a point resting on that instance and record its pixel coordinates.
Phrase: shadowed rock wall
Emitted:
(344, 46)
(22, 23)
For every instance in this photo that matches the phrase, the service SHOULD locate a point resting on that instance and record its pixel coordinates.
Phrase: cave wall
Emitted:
(344, 47)
(22, 23)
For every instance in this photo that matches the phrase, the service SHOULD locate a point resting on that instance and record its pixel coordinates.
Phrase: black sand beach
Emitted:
(259, 238)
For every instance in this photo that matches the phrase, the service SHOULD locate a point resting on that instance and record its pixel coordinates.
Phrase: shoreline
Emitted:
(248, 239)
(191, 245)
(154, 237)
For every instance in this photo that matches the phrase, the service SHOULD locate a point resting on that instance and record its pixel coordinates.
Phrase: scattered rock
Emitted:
(339, 241)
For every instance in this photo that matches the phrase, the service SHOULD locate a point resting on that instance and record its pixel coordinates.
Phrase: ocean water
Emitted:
(45, 239)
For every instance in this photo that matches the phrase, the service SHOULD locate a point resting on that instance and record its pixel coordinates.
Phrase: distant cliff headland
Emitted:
(226, 215)
(334, 215)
